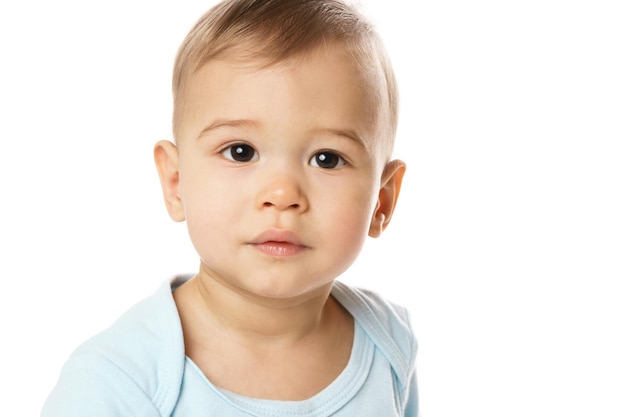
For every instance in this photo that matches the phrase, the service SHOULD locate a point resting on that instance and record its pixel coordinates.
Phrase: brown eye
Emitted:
(240, 152)
(327, 160)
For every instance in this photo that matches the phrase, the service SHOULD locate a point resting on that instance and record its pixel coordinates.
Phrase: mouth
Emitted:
(278, 243)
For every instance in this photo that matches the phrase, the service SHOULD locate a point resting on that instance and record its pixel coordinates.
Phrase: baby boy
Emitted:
(285, 114)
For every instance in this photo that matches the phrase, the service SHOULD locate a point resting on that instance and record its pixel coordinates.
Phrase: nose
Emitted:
(282, 191)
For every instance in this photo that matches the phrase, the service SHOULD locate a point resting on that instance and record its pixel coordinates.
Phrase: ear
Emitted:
(390, 184)
(166, 159)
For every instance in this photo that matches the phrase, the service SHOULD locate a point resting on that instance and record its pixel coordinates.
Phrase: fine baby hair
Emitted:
(264, 32)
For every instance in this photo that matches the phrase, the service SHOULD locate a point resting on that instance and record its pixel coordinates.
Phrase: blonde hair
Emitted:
(270, 31)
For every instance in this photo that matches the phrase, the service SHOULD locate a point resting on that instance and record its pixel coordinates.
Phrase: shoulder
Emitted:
(136, 364)
(386, 323)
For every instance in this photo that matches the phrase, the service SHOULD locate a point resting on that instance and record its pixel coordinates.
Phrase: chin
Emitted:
(274, 289)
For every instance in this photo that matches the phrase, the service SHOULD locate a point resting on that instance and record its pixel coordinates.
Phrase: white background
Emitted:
(508, 245)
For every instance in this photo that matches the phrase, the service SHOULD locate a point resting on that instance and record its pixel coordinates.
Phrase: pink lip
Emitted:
(278, 243)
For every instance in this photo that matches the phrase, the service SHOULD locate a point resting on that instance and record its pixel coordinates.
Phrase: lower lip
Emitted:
(279, 249)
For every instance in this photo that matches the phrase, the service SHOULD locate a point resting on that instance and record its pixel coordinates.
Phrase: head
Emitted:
(265, 32)
(285, 113)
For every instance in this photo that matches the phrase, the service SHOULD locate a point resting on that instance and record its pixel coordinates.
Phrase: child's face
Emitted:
(277, 172)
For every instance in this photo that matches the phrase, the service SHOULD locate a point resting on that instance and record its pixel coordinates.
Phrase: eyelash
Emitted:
(235, 150)
(323, 157)
(240, 152)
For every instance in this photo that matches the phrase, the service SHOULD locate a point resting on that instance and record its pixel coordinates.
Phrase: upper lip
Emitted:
(277, 235)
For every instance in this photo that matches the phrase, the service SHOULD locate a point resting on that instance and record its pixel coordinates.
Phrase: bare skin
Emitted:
(272, 351)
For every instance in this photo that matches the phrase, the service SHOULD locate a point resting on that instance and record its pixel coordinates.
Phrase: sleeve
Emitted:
(92, 386)
(412, 408)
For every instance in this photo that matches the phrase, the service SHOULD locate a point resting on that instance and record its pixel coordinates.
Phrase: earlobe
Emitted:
(166, 160)
(390, 185)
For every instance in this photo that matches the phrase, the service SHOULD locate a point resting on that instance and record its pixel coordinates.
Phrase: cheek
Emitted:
(345, 234)
(211, 207)
(207, 192)
(353, 224)
(349, 216)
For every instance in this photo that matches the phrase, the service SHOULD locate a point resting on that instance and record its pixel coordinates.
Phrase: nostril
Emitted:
(270, 204)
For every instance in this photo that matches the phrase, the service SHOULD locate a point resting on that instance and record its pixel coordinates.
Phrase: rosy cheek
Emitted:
(353, 222)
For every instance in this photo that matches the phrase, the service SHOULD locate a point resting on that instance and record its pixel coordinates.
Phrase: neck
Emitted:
(264, 347)
(259, 321)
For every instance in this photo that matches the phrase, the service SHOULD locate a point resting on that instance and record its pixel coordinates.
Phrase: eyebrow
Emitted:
(222, 123)
(349, 134)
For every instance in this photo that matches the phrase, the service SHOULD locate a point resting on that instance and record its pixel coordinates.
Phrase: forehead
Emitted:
(326, 87)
